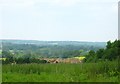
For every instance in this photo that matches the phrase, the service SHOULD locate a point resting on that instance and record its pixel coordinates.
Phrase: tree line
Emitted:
(62, 49)
(111, 52)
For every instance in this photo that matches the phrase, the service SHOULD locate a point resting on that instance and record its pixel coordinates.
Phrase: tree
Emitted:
(110, 53)
(100, 53)
(8, 55)
(91, 57)
(109, 45)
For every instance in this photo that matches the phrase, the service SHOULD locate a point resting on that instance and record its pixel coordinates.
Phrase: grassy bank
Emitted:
(85, 72)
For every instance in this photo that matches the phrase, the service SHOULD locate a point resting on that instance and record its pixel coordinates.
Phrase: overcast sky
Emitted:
(69, 20)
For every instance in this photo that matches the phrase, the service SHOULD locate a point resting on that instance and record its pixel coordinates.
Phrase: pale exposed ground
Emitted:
(66, 60)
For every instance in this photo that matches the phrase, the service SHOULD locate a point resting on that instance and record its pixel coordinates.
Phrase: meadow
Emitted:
(83, 72)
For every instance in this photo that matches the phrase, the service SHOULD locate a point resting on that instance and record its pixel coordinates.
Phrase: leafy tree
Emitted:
(91, 57)
(109, 45)
(110, 53)
(8, 56)
(100, 53)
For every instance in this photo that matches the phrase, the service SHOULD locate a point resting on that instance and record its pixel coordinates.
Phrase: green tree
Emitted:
(91, 57)
(109, 45)
(8, 55)
(100, 53)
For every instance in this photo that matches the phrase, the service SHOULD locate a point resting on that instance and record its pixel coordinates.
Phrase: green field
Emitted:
(84, 72)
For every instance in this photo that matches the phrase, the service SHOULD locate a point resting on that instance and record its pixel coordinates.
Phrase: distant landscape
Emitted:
(60, 49)
(55, 61)
(59, 41)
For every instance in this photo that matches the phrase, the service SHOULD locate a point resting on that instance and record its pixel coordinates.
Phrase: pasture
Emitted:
(61, 72)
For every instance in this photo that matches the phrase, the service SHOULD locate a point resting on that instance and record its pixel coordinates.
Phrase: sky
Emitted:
(59, 20)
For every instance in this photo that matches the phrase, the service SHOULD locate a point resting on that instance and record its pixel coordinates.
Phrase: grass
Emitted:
(85, 72)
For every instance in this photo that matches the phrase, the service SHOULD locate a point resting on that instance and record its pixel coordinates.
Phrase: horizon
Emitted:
(54, 40)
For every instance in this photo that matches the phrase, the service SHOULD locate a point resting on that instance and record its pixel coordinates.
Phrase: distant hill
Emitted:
(60, 49)
(36, 42)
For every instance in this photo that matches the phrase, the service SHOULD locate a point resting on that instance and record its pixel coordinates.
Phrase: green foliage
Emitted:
(102, 66)
(9, 57)
(100, 53)
(27, 58)
(37, 49)
(91, 57)
(86, 72)
(111, 52)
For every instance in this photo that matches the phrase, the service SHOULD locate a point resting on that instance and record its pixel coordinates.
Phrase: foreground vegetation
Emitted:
(86, 72)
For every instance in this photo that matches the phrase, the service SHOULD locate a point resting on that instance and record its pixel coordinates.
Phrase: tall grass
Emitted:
(85, 72)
